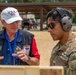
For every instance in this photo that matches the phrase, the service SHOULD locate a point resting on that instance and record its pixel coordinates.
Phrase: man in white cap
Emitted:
(17, 47)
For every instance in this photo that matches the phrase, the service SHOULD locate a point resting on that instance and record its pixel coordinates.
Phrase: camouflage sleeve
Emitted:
(71, 69)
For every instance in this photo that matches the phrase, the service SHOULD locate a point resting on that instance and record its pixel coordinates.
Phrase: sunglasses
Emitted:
(52, 25)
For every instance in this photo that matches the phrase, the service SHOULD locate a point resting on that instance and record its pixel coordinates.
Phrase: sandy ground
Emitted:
(45, 45)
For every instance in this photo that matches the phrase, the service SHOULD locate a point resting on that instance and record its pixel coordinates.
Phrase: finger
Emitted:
(20, 52)
(23, 59)
(14, 54)
(1, 57)
(19, 49)
(21, 55)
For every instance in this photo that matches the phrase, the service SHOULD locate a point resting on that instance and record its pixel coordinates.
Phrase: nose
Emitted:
(49, 29)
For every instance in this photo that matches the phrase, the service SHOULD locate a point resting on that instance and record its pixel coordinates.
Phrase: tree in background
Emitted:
(14, 1)
(24, 1)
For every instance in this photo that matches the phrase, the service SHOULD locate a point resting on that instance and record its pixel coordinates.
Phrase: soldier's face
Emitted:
(54, 28)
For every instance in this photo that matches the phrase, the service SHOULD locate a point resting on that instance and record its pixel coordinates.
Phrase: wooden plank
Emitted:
(31, 70)
(53, 70)
(12, 70)
(19, 70)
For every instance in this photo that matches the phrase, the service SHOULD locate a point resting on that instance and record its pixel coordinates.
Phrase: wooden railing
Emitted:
(31, 70)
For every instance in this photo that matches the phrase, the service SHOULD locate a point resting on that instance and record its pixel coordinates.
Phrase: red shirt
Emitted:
(35, 49)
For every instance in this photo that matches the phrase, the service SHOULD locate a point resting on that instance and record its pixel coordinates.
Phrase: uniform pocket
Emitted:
(72, 65)
(71, 70)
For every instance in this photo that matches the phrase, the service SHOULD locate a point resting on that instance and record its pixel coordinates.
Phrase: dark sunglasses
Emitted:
(52, 25)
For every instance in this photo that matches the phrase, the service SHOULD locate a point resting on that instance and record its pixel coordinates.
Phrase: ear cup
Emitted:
(66, 23)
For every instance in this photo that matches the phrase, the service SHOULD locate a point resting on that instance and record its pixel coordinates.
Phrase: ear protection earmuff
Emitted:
(66, 21)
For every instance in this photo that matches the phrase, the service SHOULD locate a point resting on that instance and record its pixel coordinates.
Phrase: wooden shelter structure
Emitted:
(40, 8)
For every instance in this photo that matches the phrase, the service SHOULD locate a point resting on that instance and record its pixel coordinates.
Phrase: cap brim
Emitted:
(9, 21)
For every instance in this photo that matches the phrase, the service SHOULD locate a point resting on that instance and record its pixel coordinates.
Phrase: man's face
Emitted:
(12, 28)
(54, 28)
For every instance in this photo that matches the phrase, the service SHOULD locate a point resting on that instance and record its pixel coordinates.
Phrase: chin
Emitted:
(14, 31)
(55, 39)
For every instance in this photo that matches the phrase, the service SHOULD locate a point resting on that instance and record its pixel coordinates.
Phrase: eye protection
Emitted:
(52, 25)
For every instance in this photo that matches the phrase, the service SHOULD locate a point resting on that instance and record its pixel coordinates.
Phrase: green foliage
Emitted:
(37, 16)
(35, 0)
(15, 1)
(1, 1)
(74, 19)
(23, 1)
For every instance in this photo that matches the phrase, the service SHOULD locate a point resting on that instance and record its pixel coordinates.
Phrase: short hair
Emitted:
(56, 16)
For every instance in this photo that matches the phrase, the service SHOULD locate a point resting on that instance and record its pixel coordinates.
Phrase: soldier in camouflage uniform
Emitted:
(59, 22)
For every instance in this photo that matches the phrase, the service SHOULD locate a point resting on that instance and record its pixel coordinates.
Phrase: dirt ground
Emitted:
(45, 45)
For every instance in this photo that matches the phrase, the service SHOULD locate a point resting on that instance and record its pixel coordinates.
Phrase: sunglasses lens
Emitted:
(51, 25)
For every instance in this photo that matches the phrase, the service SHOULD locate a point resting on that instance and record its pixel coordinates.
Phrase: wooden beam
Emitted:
(31, 70)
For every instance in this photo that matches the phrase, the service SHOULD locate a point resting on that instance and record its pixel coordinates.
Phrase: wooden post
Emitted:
(53, 70)
(41, 18)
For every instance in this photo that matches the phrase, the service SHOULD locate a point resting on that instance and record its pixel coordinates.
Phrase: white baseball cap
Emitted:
(10, 15)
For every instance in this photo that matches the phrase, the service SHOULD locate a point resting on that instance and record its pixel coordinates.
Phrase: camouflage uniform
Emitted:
(65, 55)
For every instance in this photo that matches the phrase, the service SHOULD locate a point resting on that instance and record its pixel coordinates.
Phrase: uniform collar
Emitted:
(59, 47)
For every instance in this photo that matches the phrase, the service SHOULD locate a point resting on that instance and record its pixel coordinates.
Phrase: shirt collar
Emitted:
(19, 37)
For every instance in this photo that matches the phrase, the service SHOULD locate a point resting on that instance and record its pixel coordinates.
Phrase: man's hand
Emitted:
(21, 54)
(1, 57)
(25, 58)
